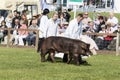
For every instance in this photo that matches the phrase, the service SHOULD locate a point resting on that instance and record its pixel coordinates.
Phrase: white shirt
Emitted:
(101, 37)
(74, 30)
(15, 31)
(1, 19)
(8, 22)
(42, 28)
(52, 28)
(115, 21)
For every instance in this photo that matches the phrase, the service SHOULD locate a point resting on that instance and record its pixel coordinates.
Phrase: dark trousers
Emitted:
(40, 44)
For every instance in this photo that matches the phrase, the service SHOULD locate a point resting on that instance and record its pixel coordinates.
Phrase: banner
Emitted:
(75, 2)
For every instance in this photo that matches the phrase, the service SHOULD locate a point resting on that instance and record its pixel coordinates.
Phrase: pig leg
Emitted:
(76, 59)
(52, 56)
(42, 56)
(69, 59)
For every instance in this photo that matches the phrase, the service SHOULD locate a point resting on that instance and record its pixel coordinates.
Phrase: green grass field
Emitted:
(24, 64)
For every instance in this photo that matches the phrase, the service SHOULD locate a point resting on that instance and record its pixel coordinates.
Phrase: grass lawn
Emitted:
(24, 64)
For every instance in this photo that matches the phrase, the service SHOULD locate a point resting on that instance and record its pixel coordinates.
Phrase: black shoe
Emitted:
(65, 58)
(83, 62)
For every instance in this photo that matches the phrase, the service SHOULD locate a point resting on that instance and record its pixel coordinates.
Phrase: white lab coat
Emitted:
(74, 30)
(52, 28)
(88, 40)
(42, 28)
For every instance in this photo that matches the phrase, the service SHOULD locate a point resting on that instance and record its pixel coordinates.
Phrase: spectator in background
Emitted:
(52, 26)
(15, 13)
(31, 38)
(37, 17)
(14, 33)
(107, 38)
(9, 20)
(22, 34)
(85, 2)
(14, 17)
(96, 18)
(62, 28)
(85, 5)
(61, 20)
(1, 19)
(118, 30)
(113, 20)
(33, 18)
(18, 15)
(112, 45)
(3, 33)
(102, 31)
(24, 12)
(99, 40)
(101, 22)
(91, 29)
(85, 20)
(17, 24)
(67, 16)
(24, 20)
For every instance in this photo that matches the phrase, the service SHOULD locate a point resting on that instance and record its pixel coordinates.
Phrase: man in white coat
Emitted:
(52, 26)
(44, 19)
(74, 30)
(42, 26)
(52, 29)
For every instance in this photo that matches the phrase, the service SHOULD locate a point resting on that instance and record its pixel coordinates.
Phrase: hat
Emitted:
(45, 11)
(102, 26)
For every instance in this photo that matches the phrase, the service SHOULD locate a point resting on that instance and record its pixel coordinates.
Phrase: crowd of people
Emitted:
(59, 24)
(16, 21)
(19, 20)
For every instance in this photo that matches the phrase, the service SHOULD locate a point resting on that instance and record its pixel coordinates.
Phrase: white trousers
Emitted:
(20, 39)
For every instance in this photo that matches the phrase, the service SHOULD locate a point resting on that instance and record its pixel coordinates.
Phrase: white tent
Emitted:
(6, 5)
(11, 4)
(117, 6)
